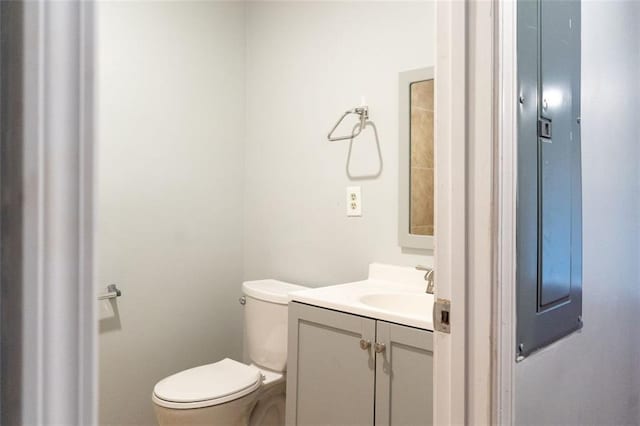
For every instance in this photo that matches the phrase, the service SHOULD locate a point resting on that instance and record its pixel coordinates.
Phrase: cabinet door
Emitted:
(404, 376)
(330, 378)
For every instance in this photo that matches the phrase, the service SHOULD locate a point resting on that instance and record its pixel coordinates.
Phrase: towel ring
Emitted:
(378, 172)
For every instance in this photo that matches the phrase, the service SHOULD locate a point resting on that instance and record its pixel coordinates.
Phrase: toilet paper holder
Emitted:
(112, 293)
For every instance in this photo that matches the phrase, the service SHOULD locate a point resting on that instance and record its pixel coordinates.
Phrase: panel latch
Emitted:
(544, 128)
(442, 315)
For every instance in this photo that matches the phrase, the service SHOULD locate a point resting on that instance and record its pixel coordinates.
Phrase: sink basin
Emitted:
(409, 304)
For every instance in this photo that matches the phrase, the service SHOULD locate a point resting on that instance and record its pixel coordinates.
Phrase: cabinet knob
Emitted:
(365, 344)
(379, 347)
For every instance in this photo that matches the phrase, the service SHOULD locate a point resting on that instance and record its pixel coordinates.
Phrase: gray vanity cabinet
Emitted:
(337, 375)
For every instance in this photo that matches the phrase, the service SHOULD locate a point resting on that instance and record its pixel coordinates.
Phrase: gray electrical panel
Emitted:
(549, 190)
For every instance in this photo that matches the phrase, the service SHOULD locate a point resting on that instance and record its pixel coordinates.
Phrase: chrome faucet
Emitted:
(429, 278)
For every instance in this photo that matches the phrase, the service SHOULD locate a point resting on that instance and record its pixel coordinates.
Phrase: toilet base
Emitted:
(233, 413)
(270, 408)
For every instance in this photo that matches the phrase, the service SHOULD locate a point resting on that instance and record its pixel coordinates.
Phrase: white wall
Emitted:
(170, 126)
(308, 62)
(593, 377)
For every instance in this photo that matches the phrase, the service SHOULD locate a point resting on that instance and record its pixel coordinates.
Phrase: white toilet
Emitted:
(229, 392)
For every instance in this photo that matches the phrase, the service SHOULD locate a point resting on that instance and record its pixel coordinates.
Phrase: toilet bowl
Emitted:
(229, 392)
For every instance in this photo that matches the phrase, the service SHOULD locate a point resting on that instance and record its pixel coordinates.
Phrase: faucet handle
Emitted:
(428, 277)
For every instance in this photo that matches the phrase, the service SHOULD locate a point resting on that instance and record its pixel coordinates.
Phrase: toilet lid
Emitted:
(210, 384)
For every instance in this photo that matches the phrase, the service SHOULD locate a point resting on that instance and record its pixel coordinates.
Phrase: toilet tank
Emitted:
(265, 322)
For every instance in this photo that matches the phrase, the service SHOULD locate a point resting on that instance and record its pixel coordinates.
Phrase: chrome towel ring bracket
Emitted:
(362, 111)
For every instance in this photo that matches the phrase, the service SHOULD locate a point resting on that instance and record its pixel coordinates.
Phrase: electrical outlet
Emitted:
(354, 201)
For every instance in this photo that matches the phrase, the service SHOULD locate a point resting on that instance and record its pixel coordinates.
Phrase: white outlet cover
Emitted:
(354, 201)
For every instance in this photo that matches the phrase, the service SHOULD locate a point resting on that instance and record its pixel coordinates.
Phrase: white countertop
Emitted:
(399, 294)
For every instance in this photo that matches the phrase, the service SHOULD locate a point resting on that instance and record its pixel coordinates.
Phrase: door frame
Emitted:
(56, 319)
(450, 248)
(504, 299)
(464, 258)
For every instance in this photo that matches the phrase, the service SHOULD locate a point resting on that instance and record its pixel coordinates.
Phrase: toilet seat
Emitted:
(207, 385)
